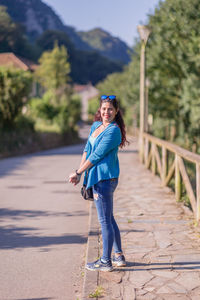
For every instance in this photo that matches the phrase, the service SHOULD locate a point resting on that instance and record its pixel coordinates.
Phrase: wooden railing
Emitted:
(154, 153)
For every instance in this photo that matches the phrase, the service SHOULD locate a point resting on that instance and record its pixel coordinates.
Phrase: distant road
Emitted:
(43, 226)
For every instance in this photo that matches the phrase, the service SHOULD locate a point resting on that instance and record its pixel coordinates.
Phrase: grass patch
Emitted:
(82, 274)
(97, 293)
(45, 126)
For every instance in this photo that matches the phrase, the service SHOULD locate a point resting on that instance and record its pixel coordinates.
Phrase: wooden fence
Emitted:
(154, 152)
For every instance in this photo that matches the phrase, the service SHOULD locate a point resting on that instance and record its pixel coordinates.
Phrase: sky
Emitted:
(118, 17)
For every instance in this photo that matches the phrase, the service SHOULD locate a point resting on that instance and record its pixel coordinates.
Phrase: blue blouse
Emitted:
(92, 141)
(103, 154)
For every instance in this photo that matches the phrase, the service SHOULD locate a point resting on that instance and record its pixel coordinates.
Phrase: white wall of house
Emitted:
(87, 93)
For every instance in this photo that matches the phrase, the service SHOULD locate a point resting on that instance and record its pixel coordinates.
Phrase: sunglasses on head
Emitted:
(111, 97)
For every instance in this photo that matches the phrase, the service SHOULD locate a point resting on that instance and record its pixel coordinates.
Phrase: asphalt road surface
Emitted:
(43, 226)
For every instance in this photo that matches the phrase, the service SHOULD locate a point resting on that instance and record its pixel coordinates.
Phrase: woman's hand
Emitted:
(74, 178)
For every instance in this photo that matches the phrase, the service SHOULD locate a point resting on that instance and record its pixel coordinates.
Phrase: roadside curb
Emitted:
(92, 252)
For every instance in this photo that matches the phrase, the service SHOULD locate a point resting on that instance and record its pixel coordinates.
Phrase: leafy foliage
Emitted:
(93, 106)
(173, 69)
(173, 66)
(58, 107)
(54, 68)
(125, 86)
(61, 117)
(14, 90)
(12, 37)
(43, 108)
(69, 114)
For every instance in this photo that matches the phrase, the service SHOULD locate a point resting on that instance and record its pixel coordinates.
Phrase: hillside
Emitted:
(107, 45)
(37, 17)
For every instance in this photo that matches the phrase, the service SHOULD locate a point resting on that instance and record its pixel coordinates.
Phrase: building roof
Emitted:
(11, 59)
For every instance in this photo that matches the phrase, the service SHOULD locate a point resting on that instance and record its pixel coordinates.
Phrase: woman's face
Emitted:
(108, 112)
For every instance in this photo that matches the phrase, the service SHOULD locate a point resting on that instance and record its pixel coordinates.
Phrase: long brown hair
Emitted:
(118, 119)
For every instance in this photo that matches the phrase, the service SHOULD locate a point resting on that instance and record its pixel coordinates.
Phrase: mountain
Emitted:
(37, 17)
(107, 45)
(86, 66)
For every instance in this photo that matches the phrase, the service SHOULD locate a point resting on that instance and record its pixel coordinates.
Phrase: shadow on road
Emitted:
(20, 237)
(19, 214)
(182, 265)
(7, 165)
(12, 237)
(128, 151)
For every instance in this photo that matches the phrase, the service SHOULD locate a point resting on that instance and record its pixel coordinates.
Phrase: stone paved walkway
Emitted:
(161, 245)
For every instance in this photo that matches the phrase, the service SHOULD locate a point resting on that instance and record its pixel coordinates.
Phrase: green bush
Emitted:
(93, 105)
(69, 114)
(23, 124)
(62, 116)
(43, 108)
(14, 90)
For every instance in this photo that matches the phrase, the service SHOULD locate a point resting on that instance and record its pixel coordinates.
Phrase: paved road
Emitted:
(43, 227)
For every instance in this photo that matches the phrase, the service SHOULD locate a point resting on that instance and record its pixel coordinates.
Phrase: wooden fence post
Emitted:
(146, 151)
(141, 147)
(152, 159)
(177, 179)
(153, 166)
(164, 164)
(198, 190)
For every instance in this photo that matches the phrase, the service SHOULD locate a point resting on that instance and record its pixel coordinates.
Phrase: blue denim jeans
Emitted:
(103, 198)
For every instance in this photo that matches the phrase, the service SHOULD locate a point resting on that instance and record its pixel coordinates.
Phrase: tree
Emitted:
(173, 63)
(125, 85)
(58, 106)
(53, 71)
(173, 68)
(12, 38)
(14, 89)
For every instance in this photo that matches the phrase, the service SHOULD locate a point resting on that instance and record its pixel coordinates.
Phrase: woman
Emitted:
(100, 160)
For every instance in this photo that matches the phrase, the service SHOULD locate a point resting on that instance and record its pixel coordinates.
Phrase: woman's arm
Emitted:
(85, 164)
(83, 159)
